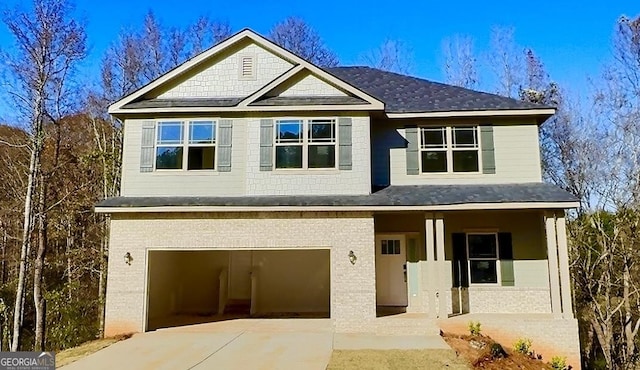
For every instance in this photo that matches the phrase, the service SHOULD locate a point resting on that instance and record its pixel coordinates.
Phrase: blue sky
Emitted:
(571, 37)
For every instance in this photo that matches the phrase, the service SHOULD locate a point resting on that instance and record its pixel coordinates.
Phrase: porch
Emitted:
(479, 262)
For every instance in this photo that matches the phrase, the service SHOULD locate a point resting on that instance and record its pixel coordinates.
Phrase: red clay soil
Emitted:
(482, 359)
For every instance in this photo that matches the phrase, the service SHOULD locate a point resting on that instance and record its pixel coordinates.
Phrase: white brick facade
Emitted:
(353, 296)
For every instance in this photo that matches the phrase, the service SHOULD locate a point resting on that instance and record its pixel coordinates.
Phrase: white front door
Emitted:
(240, 274)
(391, 278)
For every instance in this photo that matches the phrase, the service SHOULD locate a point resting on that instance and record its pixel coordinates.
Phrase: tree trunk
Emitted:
(26, 236)
(38, 299)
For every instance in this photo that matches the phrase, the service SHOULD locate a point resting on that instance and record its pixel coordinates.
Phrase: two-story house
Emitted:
(253, 180)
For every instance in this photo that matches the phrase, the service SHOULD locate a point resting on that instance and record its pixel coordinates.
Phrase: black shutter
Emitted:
(460, 270)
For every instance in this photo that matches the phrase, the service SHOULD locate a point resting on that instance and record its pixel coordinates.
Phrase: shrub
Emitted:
(474, 327)
(523, 345)
(497, 351)
(558, 363)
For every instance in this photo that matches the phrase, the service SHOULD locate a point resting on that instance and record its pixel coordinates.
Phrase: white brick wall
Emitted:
(353, 296)
(509, 300)
(222, 78)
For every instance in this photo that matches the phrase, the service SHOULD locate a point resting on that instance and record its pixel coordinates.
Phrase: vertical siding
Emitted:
(517, 157)
(182, 182)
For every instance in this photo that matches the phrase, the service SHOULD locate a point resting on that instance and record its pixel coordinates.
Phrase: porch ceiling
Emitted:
(417, 197)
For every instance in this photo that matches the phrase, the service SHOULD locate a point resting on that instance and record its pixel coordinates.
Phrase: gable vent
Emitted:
(247, 67)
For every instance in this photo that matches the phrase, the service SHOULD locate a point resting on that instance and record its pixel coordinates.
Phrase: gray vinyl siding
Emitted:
(180, 182)
(516, 155)
(245, 176)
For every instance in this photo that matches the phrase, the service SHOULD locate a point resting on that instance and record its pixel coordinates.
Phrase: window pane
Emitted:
(321, 131)
(289, 131)
(396, 247)
(201, 158)
(465, 161)
(169, 132)
(384, 247)
(434, 137)
(322, 156)
(464, 137)
(482, 246)
(169, 158)
(483, 272)
(202, 133)
(289, 156)
(434, 161)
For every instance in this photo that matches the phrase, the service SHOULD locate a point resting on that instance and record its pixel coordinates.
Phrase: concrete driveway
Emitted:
(243, 344)
(236, 344)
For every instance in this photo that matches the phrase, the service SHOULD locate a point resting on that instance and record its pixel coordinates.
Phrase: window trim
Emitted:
(496, 259)
(185, 144)
(449, 149)
(306, 143)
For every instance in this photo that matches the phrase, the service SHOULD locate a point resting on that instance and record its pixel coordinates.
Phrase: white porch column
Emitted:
(563, 264)
(442, 267)
(552, 256)
(431, 265)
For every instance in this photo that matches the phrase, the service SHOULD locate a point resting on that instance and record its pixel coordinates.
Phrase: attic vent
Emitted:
(247, 67)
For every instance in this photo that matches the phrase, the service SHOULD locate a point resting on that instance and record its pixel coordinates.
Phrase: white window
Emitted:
(305, 144)
(200, 145)
(483, 252)
(449, 149)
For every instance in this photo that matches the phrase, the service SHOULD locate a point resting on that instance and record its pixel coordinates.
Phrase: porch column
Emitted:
(431, 265)
(442, 267)
(552, 256)
(563, 262)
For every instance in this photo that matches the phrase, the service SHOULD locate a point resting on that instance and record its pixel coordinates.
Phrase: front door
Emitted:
(391, 273)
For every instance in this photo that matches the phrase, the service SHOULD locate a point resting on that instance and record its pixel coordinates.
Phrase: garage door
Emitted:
(191, 286)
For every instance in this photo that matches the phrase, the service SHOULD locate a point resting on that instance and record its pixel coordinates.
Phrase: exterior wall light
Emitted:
(128, 258)
(352, 257)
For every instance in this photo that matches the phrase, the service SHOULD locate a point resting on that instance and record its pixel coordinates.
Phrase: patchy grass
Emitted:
(396, 359)
(74, 354)
(476, 350)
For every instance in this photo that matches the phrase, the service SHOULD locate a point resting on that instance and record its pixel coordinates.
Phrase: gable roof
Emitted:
(124, 104)
(407, 94)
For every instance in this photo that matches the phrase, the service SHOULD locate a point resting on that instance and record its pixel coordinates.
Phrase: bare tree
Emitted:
(506, 61)
(295, 35)
(391, 55)
(48, 45)
(460, 63)
(206, 33)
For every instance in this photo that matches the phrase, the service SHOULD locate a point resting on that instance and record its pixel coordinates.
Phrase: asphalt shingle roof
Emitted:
(411, 195)
(407, 94)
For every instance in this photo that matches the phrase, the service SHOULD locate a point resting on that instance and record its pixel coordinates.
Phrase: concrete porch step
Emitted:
(406, 324)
